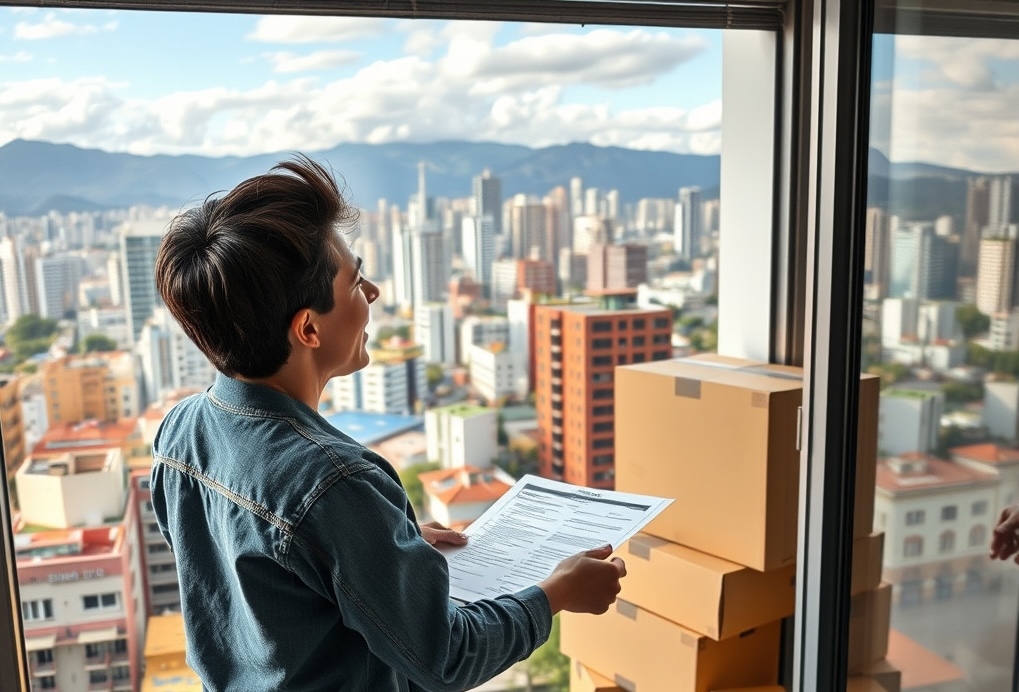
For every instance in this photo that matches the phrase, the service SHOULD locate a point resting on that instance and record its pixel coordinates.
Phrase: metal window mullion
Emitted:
(13, 661)
(839, 64)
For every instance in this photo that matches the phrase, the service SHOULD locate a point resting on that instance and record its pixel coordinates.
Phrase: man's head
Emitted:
(235, 270)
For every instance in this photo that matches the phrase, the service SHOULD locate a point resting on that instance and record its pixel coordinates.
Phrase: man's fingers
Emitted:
(620, 565)
(600, 553)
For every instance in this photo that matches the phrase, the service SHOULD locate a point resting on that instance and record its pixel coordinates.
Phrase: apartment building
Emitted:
(461, 435)
(497, 373)
(100, 386)
(394, 382)
(12, 423)
(577, 347)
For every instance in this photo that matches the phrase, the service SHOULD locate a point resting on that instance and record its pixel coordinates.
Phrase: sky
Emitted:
(216, 85)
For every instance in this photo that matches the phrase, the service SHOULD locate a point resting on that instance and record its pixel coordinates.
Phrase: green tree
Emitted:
(412, 484)
(972, 321)
(961, 392)
(29, 335)
(547, 665)
(434, 375)
(97, 343)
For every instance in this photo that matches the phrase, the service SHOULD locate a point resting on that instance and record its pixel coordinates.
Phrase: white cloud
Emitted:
(284, 63)
(960, 62)
(20, 56)
(603, 57)
(52, 27)
(279, 29)
(410, 98)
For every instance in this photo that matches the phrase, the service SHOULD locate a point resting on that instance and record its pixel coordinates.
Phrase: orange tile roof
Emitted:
(72, 437)
(921, 667)
(463, 485)
(937, 473)
(987, 453)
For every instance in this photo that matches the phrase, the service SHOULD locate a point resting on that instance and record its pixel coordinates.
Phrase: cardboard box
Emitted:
(583, 679)
(866, 443)
(701, 592)
(859, 683)
(643, 652)
(870, 615)
(765, 688)
(887, 675)
(722, 442)
(868, 560)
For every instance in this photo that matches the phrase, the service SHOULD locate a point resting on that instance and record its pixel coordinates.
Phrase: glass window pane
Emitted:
(939, 320)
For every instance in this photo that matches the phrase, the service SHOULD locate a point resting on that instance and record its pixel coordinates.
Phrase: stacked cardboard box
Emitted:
(713, 575)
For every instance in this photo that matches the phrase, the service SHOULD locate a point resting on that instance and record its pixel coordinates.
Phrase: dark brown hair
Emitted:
(234, 271)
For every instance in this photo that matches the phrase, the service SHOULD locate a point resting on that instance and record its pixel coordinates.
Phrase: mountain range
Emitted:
(36, 177)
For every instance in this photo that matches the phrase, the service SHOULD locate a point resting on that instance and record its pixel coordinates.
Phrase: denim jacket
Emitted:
(301, 565)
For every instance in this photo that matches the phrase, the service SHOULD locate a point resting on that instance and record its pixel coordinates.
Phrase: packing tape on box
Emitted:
(690, 389)
(624, 683)
(641, 546)
(626, 609)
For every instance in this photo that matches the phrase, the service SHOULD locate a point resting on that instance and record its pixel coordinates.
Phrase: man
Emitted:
(301, 564)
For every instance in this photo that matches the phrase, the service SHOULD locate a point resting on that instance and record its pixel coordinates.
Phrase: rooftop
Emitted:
(987, 453)
(914, 472)
(87, 435)
(372, 428)
(466, 484)
(82, 542)
(907, 393)
(464, 410)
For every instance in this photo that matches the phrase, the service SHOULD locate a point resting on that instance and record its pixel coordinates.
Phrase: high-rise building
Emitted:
(434, 330)
(977, 208)
(479, 248)
(139, 243)
(430, 265)
(403, 266)
(527, 228)
(57, 278)
(12, 265)
(497, 374)
(1002, 201)
(487, 192)
(576, 197)
(577, 348)
(504, 283)
(996, 275)
(688, 226)
(877, 254)
(923, 263)
(612, 267)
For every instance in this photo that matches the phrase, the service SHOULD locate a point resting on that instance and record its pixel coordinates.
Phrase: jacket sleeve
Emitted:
(393, 588)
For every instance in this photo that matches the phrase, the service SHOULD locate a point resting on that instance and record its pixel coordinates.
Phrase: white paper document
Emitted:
(535, 526)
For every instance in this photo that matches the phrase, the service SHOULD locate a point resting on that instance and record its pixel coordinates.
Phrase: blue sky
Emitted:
(243, 84)
(216, 85)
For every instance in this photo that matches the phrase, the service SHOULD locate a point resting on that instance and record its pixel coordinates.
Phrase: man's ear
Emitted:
(304, 328)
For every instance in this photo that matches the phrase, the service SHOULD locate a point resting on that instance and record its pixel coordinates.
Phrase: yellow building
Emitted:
(165, 669)
(99, 386)
(12, 423)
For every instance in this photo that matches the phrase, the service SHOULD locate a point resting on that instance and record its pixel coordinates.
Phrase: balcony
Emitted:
(100, 661)
(39, 670)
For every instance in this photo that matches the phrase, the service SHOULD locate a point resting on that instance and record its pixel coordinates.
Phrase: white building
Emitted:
(478, 330)
(518, 314)
(478, 243)
(12, 264)
(139, 243)
(456, 497)
(431, 271)
(110, 322)
(504, 283)
(434, 330)
(74, 489)
(1001, 409)
(462, 435)
(924, 333)
(57, 278)
(1003, 334)
(909, 421)
(937, 517)
(496, 373)
(170, 360)
(393, 385)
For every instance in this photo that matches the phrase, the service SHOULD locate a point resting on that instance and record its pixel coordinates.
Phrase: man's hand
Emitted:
(585, 582)
(436, 533)
(1005, 539)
